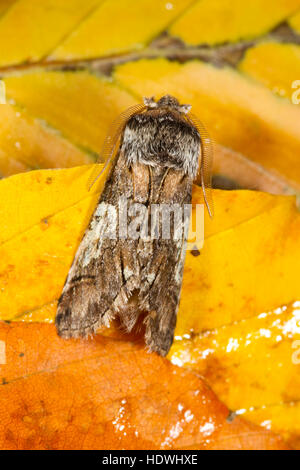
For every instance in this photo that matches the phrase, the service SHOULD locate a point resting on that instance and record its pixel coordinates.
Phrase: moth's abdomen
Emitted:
(162, 139)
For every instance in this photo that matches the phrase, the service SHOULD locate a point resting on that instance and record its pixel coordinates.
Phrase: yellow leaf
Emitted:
(81, 105)
(238, 113)
(32, 28)
(294, 22)
(249, 364)
(26, 144)
(248, 264)
(283, 418)
(119, 26)
(275, 65)
(231, 349)
(47, 211)
(218, 21)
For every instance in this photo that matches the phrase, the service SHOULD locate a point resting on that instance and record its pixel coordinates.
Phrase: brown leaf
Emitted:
(108, 394)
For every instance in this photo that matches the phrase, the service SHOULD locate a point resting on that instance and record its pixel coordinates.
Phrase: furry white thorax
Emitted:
(140, 147)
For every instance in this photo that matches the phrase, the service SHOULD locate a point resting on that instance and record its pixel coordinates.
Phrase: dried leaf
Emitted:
(294, 22)
(31, 29)
(4, 5)
(249, 364)
(217, 21)
(244, 173)
(79, 104)
(124, 26)
(274, 65)
(25, 144)
(106, 394)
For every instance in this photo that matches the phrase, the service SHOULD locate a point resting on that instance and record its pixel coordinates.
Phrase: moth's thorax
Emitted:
(162, 137)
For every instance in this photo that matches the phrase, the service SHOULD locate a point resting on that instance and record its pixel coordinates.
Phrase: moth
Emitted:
(157, 150)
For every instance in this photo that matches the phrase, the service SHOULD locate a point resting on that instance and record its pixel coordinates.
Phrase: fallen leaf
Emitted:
(26, 144)
(294, 22)
(285, 417)
(106, 394)
(241, 172)
(274, 65)
(80, 104)
(249, 364)
(217, 21)
(4, 5)
(22, 28)
(128, 31)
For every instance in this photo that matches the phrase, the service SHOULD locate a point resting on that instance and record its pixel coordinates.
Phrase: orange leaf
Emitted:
(108, 394)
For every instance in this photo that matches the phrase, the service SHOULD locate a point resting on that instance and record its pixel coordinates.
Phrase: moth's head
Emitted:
(169, 102)
(162, 135)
